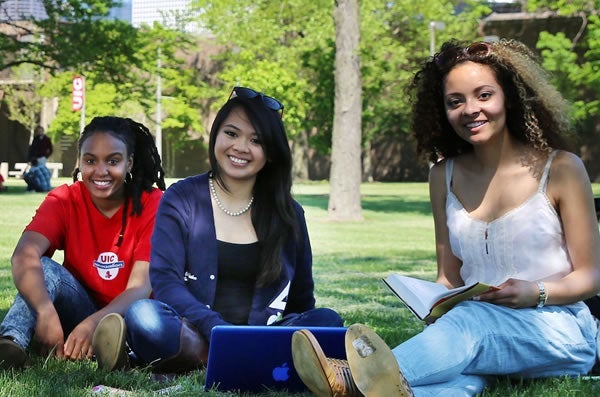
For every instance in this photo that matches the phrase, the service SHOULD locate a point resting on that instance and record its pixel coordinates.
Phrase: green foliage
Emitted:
(135, 97)
(288, 51)
(73, 36)
(575, 66)
(264, 48)
(22, 102)
(564, 7)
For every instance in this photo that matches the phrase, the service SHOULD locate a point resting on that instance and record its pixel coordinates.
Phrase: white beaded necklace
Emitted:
(213, 192)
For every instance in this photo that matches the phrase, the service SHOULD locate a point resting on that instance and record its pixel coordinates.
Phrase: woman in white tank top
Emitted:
(512, 208)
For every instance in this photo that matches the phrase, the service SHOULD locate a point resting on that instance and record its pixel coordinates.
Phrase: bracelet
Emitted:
(543, 295)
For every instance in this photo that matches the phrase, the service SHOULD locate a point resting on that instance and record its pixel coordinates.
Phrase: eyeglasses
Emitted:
(249, 93)
(477, 50)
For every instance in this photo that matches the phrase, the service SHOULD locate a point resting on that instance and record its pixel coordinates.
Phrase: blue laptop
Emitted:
(259, 358)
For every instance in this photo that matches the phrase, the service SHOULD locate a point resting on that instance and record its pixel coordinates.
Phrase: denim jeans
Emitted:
(72, 302)
(153, 327)
(458, 354)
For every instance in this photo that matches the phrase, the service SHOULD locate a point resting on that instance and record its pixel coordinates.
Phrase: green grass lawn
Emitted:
(349, 261)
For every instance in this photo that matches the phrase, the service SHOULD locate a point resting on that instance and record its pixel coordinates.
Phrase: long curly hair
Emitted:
(536, 113)
(146, 170)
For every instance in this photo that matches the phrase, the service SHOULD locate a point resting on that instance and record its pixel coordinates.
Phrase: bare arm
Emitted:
(570, 189)
(448, 264)
(28, 277)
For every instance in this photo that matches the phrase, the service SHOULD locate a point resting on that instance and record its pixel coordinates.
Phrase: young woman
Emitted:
(230, 247)
(511, 208)
(103, 222)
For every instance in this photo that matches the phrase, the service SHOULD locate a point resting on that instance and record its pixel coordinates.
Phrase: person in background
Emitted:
(512, 208)
(2, 187)
(230, 247)
(37, 176)
(41, 146)
(103, 222)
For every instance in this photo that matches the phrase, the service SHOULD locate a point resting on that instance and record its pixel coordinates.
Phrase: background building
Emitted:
(17, 10)
(170, 13)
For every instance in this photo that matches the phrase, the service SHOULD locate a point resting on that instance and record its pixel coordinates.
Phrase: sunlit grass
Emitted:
(349, 261)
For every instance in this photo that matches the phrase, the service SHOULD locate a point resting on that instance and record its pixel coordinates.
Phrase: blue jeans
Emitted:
(458, 354)
(153, 327)
(72, 302)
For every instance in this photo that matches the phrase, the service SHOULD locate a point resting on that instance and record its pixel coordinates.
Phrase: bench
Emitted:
(20, 167)
(55, 168)
(18, 171)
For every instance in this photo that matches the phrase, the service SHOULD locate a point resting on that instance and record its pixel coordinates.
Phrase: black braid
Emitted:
(146, 170)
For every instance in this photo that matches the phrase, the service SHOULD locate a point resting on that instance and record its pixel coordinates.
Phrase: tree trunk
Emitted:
(367, 161)
(345, 176)
(300, 157)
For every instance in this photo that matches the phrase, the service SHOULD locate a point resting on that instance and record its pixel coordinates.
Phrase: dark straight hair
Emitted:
(273, 214)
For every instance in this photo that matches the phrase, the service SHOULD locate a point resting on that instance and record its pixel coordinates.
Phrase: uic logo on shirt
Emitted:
(108, 265)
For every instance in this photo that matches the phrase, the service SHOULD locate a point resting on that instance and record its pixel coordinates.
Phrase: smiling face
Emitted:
(474, 102)
(104, 163)
(238, 149)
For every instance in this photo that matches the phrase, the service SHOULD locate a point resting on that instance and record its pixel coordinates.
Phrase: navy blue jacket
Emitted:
(183, 262)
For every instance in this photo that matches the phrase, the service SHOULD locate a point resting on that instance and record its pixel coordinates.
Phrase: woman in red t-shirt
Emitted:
(103, 222)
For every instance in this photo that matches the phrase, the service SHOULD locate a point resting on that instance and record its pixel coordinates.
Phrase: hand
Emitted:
(79, 343)
(49, 332)
(513, 293)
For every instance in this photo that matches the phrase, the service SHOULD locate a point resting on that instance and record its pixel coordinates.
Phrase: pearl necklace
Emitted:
(213, 192)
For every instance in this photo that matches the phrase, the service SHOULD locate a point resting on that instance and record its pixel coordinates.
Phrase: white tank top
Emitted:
(526, 243)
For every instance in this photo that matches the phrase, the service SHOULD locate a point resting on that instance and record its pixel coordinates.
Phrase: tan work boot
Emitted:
(373, 365)
(108, 343)
(325, 377)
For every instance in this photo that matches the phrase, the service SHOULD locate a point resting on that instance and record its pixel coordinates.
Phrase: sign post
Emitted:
(78, 100)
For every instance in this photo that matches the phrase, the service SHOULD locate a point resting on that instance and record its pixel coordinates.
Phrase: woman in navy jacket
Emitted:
(230, 247)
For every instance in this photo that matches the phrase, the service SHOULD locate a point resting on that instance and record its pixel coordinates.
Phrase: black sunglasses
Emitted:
(479, 50)
(249, 93)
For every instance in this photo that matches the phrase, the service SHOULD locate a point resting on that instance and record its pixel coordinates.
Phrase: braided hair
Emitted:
(146, 170)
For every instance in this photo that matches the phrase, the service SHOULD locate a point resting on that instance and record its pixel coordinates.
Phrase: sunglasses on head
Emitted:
(479, 49)
(249, 93)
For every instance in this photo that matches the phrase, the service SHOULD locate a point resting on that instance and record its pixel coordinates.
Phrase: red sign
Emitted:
(78, 93)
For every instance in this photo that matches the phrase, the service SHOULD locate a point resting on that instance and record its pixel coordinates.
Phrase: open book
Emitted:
(429, 300)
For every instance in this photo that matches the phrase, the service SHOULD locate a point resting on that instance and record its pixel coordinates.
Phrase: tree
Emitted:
(135, 97)
(21, 100)
(344, 199)
(271, 47)
(72, 35)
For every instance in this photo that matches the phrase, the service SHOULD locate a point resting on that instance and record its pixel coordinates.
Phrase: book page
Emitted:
(417, 294)
(422, 296)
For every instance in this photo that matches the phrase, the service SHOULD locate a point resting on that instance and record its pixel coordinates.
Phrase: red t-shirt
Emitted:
(70, 221)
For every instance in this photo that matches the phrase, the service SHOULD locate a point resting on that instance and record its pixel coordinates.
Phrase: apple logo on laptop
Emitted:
(281, 374)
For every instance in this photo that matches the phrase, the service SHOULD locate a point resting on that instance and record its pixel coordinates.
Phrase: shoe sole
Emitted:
(310, 362)
(373, 365)
(12, 355)
(108, 341)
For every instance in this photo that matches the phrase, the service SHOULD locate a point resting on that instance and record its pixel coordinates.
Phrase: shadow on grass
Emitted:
(372, 203)
(15, 191)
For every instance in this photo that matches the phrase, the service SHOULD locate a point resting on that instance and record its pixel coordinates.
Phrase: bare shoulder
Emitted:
(567, 165)
(568, 178)
(437, 181)
(437, 173)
